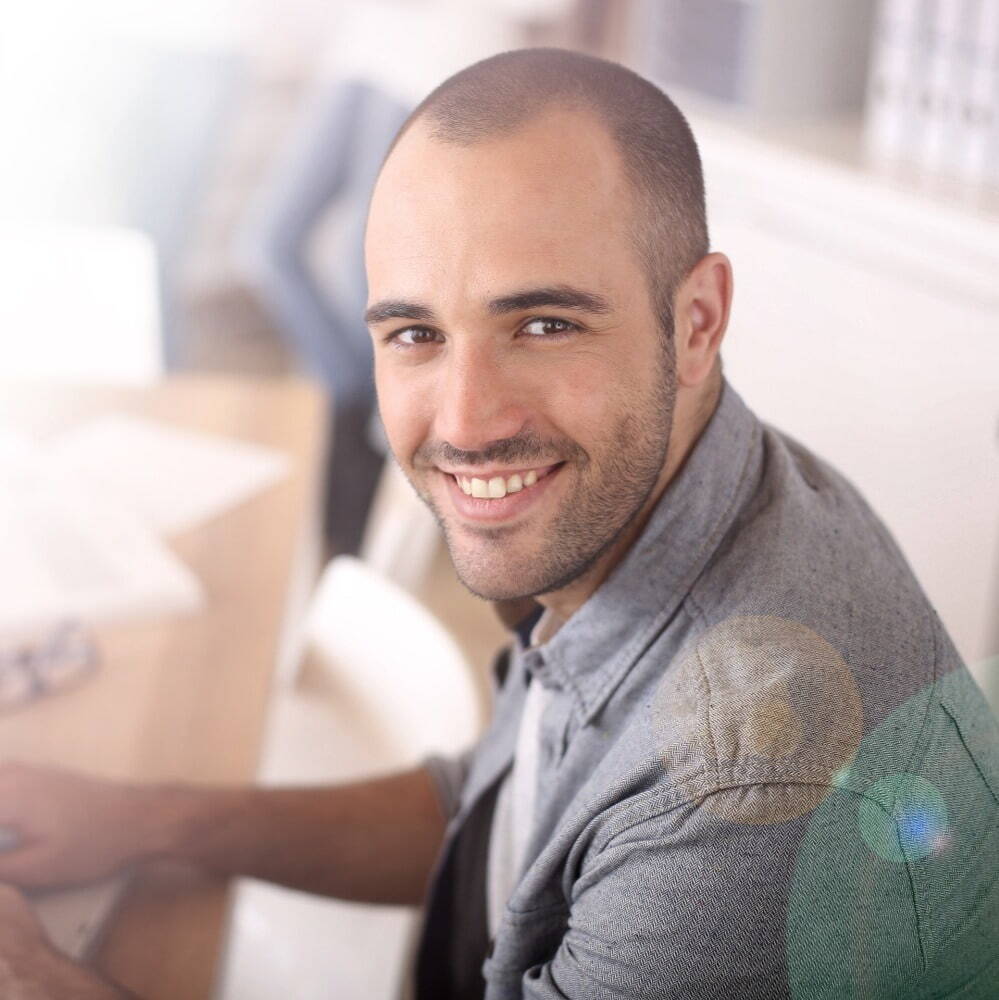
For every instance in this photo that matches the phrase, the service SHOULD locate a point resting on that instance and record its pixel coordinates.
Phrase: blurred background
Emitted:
(192, 179)
(183, 189)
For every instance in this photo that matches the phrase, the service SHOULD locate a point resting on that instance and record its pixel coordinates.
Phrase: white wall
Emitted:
(866, 325)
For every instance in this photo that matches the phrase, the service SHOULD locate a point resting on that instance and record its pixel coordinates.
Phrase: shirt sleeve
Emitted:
(723, 898)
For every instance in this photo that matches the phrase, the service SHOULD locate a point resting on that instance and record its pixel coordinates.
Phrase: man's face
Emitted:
(522, 376)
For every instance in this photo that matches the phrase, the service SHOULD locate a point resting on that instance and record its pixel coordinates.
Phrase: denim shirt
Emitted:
(763, 769)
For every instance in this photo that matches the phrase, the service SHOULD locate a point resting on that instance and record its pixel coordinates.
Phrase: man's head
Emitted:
(542, 305)
(652, 138)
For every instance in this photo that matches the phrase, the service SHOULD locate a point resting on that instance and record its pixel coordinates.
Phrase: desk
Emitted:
(185, 699)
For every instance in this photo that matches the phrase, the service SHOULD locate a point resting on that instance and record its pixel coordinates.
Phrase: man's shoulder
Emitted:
(808, 533)
(805, 654)
(810, 569)
(767, 780)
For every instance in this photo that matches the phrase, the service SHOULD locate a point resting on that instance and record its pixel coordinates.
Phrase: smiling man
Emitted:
(716, 751)
(522, 272)
(733, 753)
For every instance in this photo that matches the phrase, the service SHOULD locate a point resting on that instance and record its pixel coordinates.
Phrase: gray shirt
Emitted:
(763, 770)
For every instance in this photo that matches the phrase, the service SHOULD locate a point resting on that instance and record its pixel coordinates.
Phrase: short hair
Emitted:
(658, 151)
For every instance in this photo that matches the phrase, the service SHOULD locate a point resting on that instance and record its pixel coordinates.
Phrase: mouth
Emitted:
(499, 494)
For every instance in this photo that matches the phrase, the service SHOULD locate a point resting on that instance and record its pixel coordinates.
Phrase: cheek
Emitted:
(587, 400)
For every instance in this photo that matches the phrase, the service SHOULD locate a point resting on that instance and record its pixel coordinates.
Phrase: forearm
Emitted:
(373, 841)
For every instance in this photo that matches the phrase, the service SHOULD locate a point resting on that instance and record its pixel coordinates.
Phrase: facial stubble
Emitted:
(609, 493)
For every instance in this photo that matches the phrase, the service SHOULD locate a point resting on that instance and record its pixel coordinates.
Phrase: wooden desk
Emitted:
(185, 698)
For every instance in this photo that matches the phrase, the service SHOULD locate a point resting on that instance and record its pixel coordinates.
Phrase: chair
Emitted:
(401, 535)
(380, 684)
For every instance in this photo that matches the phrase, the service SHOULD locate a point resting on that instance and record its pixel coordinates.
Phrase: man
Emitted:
(733, 753)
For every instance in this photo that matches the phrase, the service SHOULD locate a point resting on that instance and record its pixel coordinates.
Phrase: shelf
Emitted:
(837, 144)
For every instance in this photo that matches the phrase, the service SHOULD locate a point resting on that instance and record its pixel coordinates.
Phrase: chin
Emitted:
(489, 588)
(490, 578)
(515, 580)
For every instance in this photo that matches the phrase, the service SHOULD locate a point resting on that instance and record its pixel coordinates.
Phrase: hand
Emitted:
(30, 969)
(69, 829)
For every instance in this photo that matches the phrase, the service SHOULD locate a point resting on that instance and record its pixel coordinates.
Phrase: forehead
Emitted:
(549, 200)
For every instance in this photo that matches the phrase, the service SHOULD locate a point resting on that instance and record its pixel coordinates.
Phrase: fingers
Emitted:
(18, 798)
(28, 868)
(17, 915)
(12, 901)
(42, 824)
(60, 828)
(16, 784)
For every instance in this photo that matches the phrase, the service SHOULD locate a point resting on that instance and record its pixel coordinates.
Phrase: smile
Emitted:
(498, 486)
(499, 496)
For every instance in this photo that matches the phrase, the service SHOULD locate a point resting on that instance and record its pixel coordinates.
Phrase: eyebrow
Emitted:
(550, 296)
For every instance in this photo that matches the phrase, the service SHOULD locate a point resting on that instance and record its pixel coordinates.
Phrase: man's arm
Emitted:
(707, 900)
(373, 841)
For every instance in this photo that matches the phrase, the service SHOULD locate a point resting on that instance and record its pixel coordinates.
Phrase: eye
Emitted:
(414, 336)
(549, 328)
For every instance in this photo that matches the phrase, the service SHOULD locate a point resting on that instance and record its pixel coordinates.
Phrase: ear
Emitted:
(702, 306)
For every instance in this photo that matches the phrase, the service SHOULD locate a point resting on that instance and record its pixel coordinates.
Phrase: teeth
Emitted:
(497, 487)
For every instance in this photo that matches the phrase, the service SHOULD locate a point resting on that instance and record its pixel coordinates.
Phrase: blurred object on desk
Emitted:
(69, 550)
(183, 478)
(80, 516)
(184, 699)
(37, 663)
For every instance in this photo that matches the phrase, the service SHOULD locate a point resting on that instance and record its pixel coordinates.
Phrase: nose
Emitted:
(480, 400)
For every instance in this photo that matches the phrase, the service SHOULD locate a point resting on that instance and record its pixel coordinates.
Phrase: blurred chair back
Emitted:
(385, 668)
(401, 536)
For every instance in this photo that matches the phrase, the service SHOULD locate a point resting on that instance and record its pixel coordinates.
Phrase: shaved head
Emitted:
(544, 316)
(659, 156)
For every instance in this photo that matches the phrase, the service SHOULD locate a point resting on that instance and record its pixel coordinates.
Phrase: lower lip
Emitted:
(506, 508)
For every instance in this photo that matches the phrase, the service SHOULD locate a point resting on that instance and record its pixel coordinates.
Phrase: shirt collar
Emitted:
(590, 654)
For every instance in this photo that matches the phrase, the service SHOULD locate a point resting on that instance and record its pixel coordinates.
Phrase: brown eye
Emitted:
(549, 328)
(415, 336)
